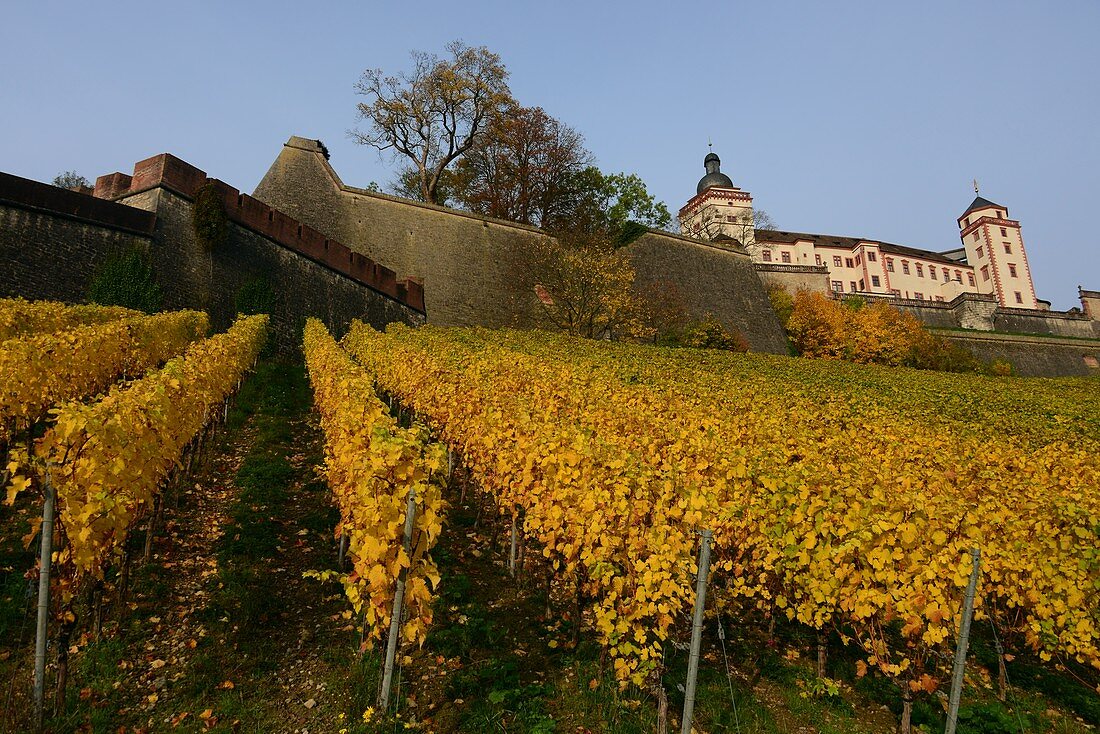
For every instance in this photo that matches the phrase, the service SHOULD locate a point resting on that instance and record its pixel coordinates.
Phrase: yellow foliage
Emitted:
(372, 464)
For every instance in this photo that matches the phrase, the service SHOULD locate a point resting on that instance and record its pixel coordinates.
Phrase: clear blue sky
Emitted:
(864, 119)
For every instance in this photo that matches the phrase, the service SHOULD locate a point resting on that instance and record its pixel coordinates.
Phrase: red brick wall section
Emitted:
(170, 172)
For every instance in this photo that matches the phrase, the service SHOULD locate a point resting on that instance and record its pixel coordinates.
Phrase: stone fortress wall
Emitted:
(52, 241)
(468, 263)
(337, 252)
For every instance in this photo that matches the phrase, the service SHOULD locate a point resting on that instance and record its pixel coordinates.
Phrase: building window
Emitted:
(932, 272)
(976, 235)
(1019, 298)
(896, 292)
(786, 256)
(966, 222)
(959, 276)
(836, 261)
(861, 285)
(817, 258)
(767, 256)
(918, 295)
(859, 260)
(890, 264)
(946, 275)
(970, 277)
(853, 284)
(1001, 214)
(871, 257)
(985, 272)
(730, 219)
(905, 266)
(920, 270)
(981, 252)
(1008, 249)
(939, 298)
(838, 287)
(1012, 270)
(848, 262)
(875, 281)
(1004, 232)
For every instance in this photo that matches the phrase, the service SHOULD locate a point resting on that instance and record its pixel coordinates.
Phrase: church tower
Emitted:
(995, 249)
(719, 210)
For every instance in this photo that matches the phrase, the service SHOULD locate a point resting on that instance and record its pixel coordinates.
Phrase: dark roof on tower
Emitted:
(981, 203)
(714, 176)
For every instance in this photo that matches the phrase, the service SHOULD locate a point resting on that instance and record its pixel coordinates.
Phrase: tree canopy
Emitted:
(434, 113)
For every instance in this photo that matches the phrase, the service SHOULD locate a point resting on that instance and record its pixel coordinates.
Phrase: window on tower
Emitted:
(1008, 249)
(970, 277)
(985, 272)
(1004, 232)
(1012, 269)
(977, 235)
(1019, 297)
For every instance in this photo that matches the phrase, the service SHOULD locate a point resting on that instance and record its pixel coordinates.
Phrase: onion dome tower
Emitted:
(719, 211)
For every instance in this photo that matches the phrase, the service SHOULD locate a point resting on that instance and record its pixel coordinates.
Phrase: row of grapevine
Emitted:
(837, 513)
(44, 370)
(19, 317)
(108, 459)
(372, 464)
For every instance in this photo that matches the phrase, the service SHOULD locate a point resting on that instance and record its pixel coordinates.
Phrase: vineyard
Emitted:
(516, 526)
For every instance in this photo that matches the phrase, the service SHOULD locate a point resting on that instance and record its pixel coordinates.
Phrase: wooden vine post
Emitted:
(45, 560)
(960, 650)
(696, 631)
(398, 602)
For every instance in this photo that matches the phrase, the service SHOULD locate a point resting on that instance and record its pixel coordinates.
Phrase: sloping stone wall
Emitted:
(468, 263)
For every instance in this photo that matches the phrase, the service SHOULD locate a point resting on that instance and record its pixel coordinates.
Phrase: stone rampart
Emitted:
(52, 241)
(794, 278)
(468, 263)
(1032, 356)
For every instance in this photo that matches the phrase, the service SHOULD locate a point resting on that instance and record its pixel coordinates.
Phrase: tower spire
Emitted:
(975, 186)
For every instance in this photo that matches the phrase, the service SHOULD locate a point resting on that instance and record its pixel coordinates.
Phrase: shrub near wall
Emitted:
(872, 333)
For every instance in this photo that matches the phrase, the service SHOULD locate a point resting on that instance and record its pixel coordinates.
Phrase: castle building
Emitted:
(991, 259)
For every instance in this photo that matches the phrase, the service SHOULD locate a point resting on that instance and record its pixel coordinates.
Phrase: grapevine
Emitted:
(19, 317)
(43, 370)
(372, 464)
(108, 459)
(831, 508)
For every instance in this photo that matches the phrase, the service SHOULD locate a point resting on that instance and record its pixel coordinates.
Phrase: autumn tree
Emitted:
(434, 113)
(583, 284)
(527, 169)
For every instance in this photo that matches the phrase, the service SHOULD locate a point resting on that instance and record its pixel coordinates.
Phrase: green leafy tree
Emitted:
(126, 279)
(71, 180)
